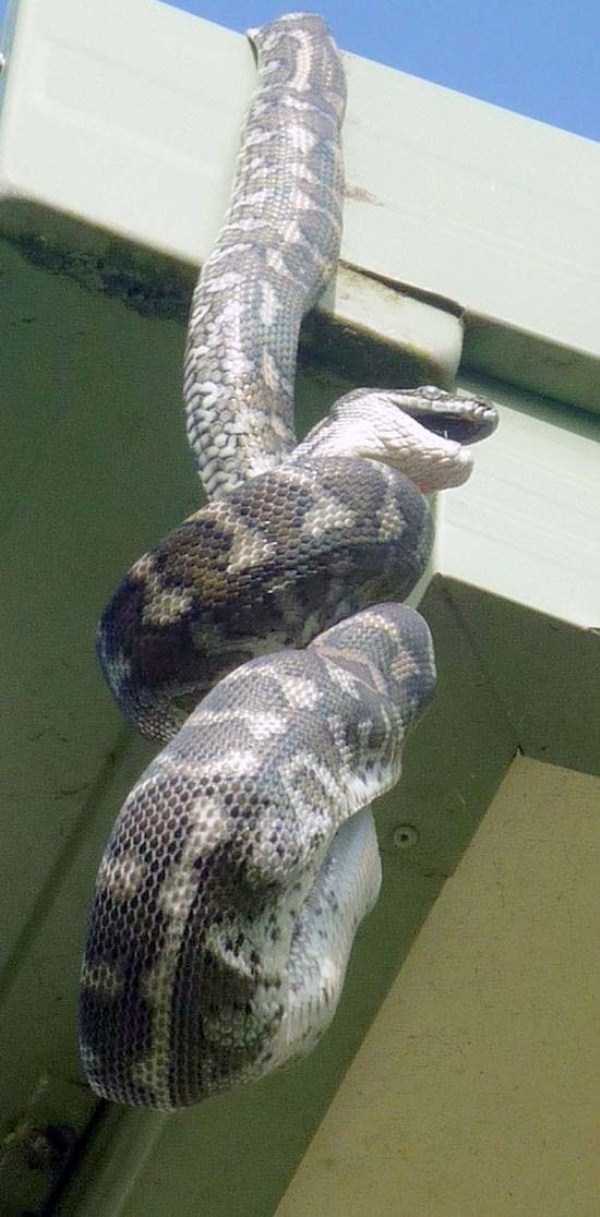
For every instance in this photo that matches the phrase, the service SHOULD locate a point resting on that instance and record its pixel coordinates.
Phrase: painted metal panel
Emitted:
(476, 1090)
(118, 138)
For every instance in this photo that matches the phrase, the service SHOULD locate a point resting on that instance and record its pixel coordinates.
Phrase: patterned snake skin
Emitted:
(277, 250)
(245, 857)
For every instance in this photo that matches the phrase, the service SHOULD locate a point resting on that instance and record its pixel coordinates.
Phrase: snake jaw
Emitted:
(431, 459)
(405, 429)
(424, 433)
(460, 415)
(433, 429)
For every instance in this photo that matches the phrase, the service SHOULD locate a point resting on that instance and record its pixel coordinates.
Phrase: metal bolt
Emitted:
(405, 836)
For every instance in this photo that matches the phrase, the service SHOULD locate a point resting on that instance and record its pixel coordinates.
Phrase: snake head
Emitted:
(458, 416)
(424, 432)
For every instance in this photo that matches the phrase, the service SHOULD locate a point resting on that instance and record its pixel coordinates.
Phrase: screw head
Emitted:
(405, 836)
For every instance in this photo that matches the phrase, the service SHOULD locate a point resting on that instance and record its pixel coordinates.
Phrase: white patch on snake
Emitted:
(169, 764)
(379, 623)
(257, 136)
(300, 692)
(256, 164)
(392, 523)
(230, 253)
(144, 569)
(301, 106)
(148, 573)
(248, 548)
(258, 199)
(303, 61)
(293, 233)
(232, 362)
(276, 262)
(305, 202)
(338, 731)
(262, 726)
(351, 680)
(330, 979)
(402, 666)
(121, 876)
(166, 605)
(199, 775)
(224, 282)
(305, 174)
(248, 225)
(270, 304)
(270, 371)
(327, 515)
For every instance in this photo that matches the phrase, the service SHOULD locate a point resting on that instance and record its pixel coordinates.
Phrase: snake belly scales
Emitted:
(255, 643)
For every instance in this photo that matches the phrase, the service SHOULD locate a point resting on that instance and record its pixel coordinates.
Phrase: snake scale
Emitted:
(254, 643)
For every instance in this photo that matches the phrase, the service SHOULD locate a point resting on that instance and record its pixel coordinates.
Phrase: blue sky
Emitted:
(538, 57)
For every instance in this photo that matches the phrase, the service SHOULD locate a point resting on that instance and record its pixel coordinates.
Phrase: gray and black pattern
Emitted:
(339, 524)
(277, 250)
(245, 857)
(280, 559)
(225, 899)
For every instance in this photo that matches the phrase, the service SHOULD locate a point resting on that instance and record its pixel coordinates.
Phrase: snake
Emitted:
(265, 644)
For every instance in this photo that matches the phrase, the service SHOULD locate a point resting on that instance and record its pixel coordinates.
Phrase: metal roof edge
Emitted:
(99, 148)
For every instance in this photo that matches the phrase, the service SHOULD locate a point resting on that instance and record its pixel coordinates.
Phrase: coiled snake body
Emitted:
(245, 857)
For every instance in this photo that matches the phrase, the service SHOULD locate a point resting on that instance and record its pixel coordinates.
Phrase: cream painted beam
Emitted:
(475, 1091)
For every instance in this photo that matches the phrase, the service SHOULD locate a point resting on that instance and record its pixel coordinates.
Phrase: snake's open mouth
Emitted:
(459, 417)
(464, 428)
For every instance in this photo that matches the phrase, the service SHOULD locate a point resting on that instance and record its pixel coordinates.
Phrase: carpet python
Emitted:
(263, 643)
